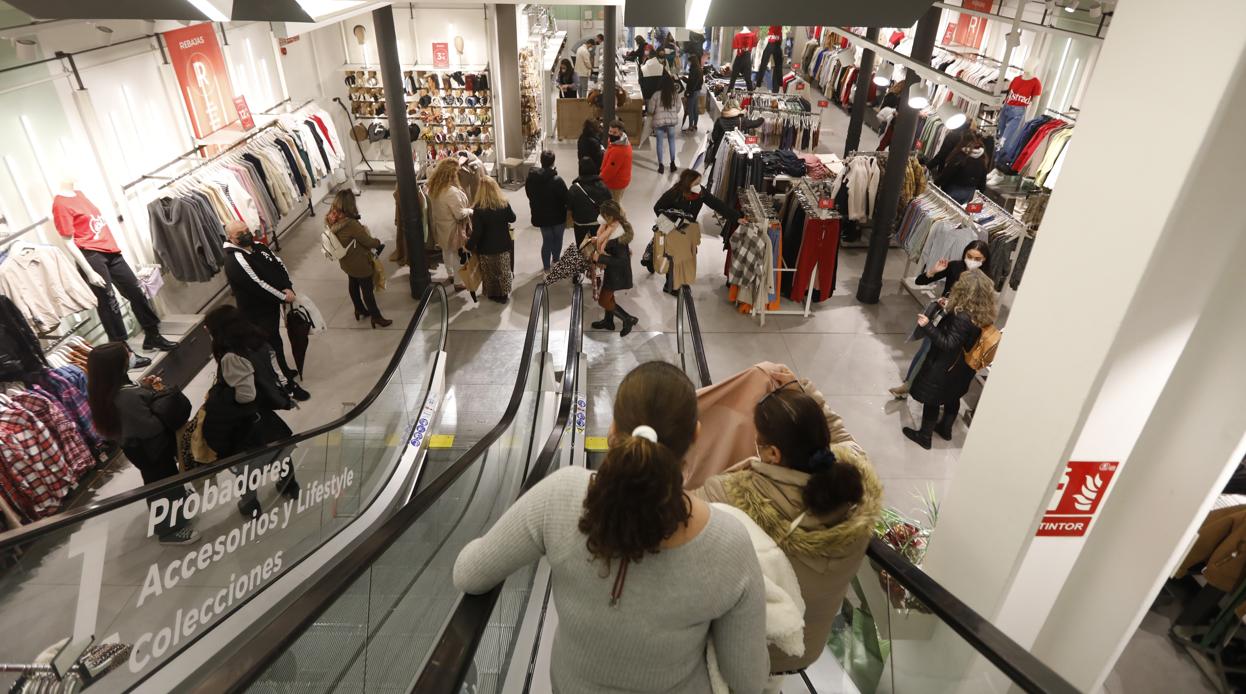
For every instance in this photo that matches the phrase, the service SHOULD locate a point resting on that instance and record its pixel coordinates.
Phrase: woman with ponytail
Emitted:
(813, 491)
(644, 575)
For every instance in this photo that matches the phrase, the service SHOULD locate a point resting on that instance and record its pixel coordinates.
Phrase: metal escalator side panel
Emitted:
(349, 573)
(691, 344)
(99, 572)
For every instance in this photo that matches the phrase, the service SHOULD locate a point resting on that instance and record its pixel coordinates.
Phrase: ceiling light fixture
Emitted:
(919, 96)
(695, 13)
(1072, 6)
(27, 49)
(883, 76)
(951, 116)
(105, 34)
(212, 11)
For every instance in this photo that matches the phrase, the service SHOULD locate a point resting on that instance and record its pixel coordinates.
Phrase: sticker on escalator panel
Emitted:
(581, 413)
(596, 444)
(441, 441)
(424, 422)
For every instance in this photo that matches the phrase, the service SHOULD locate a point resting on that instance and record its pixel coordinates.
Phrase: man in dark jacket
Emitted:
(732, 118)
(584, 197)
(261, 285)
(547, 198)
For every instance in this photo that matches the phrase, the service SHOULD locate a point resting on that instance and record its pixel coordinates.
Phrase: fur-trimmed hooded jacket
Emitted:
(826, 551)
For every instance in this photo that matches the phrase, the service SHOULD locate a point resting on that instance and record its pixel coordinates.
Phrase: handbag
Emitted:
(378, 274)
(192, 448)
(171, 407)
(469, 274)
(856, 646)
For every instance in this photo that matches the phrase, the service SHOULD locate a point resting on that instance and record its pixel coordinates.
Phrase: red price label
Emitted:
(826, 204)
(974, 207)
(244, 113)
(800, 86)
(441, 55)
(750, 139)
(795, 66)
(823, 103)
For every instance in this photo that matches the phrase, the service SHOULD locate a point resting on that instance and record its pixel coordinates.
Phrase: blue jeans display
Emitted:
(665, 133)
(551, 244)
(692, 108)
(1010, 118)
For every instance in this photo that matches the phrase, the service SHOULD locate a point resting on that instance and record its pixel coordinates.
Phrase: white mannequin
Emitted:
(68, 188)
(1031, 66)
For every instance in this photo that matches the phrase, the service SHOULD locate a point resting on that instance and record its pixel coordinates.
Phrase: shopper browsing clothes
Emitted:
(976, 255)
(261, 287)
(682, 205)
(664, 109)
(547, 198)
(584, 198)
(566, 79)
(240, 409)
(945, 375)
(693, 84)
(813, 491)
(584, 66)
(450, 215)
(965, 171)
(358, 263)
(732, 119)
(491, 240)
(645, 576)
(616, 166)
(590, 144)
(143, 419)
(613, 253)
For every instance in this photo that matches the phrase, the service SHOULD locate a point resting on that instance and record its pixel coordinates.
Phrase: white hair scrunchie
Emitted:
(646, 432)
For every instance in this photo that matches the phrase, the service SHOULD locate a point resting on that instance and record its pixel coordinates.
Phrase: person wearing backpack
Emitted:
(946, 373)
(346, 240)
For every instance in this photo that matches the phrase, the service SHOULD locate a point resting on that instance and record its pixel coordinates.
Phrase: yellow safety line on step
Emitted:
(595, 444)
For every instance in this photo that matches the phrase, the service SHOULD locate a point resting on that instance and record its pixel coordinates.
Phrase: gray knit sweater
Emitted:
(673, 602)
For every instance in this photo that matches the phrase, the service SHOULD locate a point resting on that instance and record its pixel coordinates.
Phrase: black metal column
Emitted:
(400, 138)
(608, 68)
(871, 285)
(853, 141)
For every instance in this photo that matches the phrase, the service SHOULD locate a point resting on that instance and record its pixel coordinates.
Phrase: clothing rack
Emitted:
(924, 295)
(10, 238)
(760, 212)
(1062, 115)
(271, 109)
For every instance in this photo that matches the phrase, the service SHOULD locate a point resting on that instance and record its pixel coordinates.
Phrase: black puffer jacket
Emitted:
(547, 196)
(944, 376)
(584, 197)
(724, 125)
(617, 259)
(491, 231)
(590, 147)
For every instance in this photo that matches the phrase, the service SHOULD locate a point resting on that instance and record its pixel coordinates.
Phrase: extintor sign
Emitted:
(1077, 499)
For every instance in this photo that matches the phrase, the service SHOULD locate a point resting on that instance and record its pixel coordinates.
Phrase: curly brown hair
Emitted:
(636, 500)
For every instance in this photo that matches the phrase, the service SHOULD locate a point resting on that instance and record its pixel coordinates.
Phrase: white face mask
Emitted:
(696, 189)
(975, 152)
(973, 264)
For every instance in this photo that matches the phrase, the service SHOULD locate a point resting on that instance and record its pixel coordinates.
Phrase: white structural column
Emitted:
(1123, 347)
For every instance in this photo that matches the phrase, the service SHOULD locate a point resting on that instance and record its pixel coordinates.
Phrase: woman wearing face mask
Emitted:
(975, 257)
(682, 204)
(966, 170)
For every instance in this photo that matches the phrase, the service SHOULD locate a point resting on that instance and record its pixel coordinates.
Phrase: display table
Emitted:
(573, 112)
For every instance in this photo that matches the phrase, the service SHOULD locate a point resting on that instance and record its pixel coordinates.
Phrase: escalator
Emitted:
(75, 583)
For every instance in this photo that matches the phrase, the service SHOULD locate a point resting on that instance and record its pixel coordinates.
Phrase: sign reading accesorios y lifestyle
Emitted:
(200, 68)
(191, 587)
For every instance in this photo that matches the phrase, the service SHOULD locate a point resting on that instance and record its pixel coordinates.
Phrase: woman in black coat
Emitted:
(684, 201)
(547, 198)
(491, 240)
(966, 170)
(585, 197)
(590, 144)
(944, 377)
(614, 254)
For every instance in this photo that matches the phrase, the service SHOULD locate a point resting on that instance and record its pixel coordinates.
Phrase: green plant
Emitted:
(909, 537)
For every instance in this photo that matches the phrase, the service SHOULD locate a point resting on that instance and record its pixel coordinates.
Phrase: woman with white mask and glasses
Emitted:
(966, 170)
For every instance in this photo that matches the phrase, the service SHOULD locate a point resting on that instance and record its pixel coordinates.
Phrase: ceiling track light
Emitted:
(951, 116)
(695, 12)
(1073, 6)
(919, 96)
(27, 49)
(882, 77)
(105, 34)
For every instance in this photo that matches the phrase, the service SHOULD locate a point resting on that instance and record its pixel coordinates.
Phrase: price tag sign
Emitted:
(441, 55)
(974, 207)
(750, 139)
(244, 113)
(795, 66)
(800, 86)
(826, 204)
(823, 103)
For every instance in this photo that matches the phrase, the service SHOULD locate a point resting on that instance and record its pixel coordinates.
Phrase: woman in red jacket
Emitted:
(616, 166)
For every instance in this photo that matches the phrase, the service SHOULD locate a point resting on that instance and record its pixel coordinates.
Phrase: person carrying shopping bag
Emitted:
(358, 250)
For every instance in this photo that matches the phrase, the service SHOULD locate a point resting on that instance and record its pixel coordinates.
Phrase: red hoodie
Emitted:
(616, 166)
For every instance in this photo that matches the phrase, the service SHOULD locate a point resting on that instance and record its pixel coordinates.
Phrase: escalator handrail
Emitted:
(264, 645)
(33, 531)
(688, 308)
(452, 656)
(1018, 664)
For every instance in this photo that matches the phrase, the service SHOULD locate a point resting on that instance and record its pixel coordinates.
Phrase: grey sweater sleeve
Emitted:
(739, 635)
(515, 541)
(239, 375)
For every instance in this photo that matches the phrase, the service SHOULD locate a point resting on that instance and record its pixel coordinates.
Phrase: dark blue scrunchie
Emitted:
(820, 462)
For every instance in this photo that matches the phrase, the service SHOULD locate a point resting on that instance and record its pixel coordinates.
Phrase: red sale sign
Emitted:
(974, 207)
(441, 55)
(750, 139)
(200, 68)
(1077, 499)
(823, 103)
(244, 113)
(800, 86)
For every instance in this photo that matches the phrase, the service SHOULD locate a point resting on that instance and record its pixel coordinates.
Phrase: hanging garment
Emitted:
(44, 285)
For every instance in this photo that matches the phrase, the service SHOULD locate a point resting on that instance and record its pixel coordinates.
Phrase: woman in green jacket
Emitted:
(360, 245)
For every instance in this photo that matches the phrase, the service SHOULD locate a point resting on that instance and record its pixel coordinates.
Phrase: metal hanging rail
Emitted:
(926, 72)
(10, 238)
(1041, 28)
